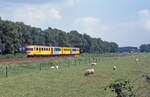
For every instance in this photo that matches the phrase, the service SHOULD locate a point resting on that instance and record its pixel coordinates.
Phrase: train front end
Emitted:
(29, 51)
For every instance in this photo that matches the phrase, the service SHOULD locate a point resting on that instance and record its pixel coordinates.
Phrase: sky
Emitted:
(126, 22)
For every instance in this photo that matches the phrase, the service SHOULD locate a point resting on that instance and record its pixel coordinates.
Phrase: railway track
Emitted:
(31, 59)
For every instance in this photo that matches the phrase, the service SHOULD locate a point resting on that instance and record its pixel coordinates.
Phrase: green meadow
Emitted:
(38, 80)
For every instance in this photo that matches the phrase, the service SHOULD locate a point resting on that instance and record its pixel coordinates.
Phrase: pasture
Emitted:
(36, 79)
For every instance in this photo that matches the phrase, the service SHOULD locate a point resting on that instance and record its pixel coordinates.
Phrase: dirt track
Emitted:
(34, 59)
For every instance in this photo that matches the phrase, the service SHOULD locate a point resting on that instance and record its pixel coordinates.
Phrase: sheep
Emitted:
(89, 71)
(56, 67)
(52, 67)
(136, 59)
(114, 67)
(93, 64)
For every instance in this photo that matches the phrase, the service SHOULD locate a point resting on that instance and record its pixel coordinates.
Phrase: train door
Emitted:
(52, 51)
(62, 51)
(71, 51)
(40, 50)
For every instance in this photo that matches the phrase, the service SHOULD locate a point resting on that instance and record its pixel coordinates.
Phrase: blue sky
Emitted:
(126, 22)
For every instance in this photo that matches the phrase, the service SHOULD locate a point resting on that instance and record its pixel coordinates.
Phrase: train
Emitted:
(39, 50)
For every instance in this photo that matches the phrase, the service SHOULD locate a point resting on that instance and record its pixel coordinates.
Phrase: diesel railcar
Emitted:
(37, 50)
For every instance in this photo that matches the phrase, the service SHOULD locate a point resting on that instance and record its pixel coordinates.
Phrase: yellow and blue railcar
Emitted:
(35, 50)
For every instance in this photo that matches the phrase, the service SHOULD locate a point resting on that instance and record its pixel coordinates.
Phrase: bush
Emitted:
(122, 88)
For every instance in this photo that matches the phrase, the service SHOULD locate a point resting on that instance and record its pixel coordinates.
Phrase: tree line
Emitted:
(14, 36)
(145, 48)
(128, 49)
(142, 48)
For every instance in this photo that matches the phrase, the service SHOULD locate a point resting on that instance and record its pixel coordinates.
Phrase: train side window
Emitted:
(37, 49)
(55, 49)
(49, 49)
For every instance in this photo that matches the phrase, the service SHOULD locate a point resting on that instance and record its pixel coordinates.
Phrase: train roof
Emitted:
(50, 46)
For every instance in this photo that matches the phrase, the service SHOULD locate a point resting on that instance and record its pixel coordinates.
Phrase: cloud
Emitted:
(90, 20)
(144, 19)
(68, 2)
(35, 15)
(144, 12)
(125, 33)
(90, 25)
(39, 13)
(55, 14)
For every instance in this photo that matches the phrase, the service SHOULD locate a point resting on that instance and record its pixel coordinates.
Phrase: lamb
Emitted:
(52, 67)
(114, 67)
(56, 67)
(93, 64)
(136, 59)
(88, 72)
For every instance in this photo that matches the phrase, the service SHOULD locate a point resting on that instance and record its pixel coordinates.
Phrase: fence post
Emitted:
(93, 58)
(74, 62)
(6, 71)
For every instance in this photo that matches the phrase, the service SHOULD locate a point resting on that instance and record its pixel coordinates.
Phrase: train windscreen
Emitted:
(29, 49)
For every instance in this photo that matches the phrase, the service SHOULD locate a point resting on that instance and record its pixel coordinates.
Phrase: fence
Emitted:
(7, 70)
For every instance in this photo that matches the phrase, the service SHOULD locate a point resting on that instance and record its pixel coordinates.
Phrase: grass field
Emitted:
(17, 55)
(27, 80)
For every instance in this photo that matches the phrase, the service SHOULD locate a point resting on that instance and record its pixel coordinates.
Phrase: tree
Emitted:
(113, 47)
(16, 35)
(145, 48)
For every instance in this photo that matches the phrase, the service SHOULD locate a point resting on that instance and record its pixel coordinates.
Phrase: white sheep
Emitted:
(89, 71)
(114, 67)
(52, 67)
(57, 67)
(93, 64)
(136, 59)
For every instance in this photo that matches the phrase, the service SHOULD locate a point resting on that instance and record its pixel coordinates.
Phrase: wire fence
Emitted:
(7, 70)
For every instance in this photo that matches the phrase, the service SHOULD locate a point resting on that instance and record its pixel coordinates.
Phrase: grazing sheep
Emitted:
(57, 67)
(136, 59)
(52, 67)
(114, 67)
(93, 64)
(88, 72)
